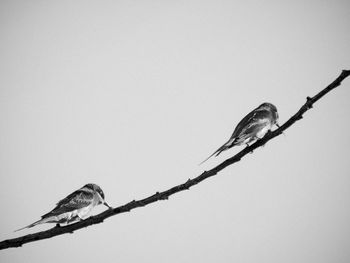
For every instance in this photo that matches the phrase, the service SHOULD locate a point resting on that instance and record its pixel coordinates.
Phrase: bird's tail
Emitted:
(41, 221)
(224, 147)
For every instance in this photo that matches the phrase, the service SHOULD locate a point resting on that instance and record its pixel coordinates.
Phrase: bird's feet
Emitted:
(109, 207)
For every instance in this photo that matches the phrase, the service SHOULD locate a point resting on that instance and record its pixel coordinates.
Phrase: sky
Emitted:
(133, 95)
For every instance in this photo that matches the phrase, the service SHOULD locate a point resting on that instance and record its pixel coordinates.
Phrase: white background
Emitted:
(133, 95)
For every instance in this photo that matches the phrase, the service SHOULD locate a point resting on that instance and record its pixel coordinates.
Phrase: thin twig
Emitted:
(56, 231)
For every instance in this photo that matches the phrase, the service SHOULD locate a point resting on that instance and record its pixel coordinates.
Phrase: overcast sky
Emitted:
(133, 95)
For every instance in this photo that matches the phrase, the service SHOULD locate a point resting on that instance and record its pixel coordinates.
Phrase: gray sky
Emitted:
(132, 95)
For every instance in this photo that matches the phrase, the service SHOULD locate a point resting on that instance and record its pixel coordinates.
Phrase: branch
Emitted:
(58, 230)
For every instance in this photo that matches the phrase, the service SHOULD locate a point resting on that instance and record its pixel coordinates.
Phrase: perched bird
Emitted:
(252, 127)
(74, 207)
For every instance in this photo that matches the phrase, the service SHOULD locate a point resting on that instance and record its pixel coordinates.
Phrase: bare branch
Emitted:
(56, 231)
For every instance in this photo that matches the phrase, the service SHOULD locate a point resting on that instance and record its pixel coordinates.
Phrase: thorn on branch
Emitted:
(309, 104)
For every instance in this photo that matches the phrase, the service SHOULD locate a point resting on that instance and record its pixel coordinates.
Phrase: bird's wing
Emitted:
(254, 120)
(75, 200)
(243, 123)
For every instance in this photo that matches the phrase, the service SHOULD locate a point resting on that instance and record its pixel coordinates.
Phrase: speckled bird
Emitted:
(74, 207)
(252, 127)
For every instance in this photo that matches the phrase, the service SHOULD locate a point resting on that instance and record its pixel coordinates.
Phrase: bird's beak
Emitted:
(105, 203)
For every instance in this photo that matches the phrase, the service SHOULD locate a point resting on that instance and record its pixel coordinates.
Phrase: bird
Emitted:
(74, 207)
(252, 127)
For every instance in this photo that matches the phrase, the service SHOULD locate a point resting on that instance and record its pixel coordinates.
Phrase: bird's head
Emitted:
(98, 191)
(271, 108)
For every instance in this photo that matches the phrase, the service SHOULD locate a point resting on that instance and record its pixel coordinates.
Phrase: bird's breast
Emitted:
(261, 133)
